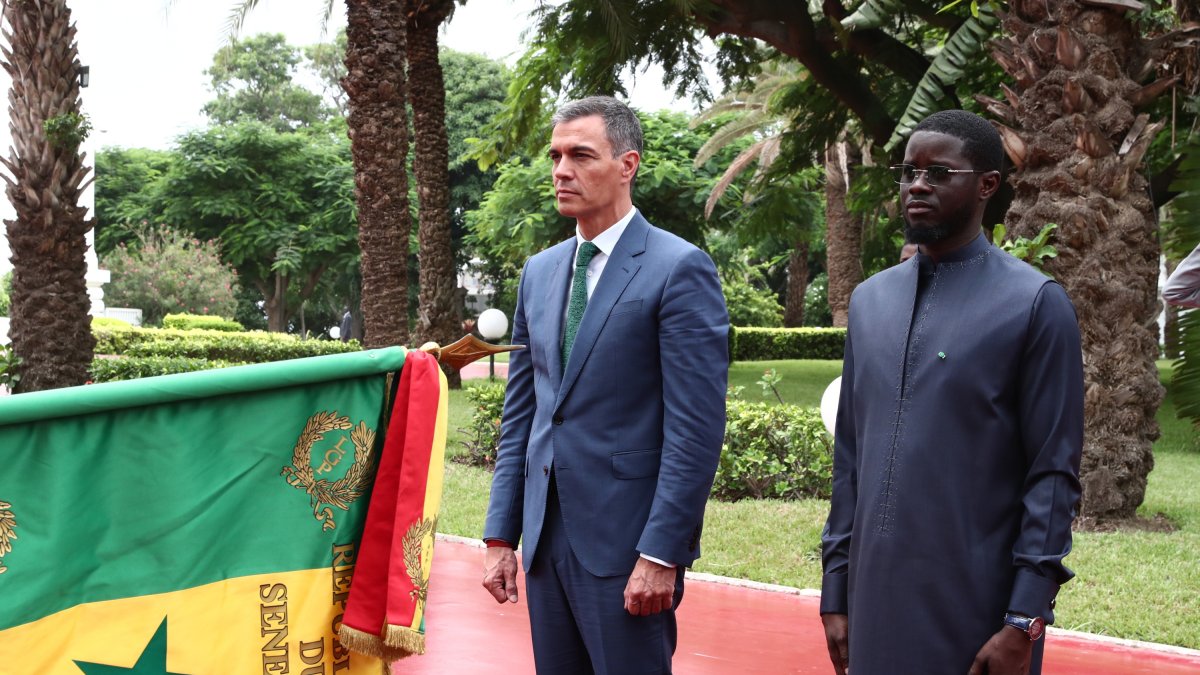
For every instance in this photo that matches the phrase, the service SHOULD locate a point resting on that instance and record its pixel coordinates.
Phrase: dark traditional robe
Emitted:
(956, 459)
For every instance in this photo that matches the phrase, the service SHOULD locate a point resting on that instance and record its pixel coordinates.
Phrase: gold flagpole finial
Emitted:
(466, 350)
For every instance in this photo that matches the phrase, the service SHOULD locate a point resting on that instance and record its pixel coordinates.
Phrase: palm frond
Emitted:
(768, 155)
(736, 167)
(237, 17)
(617, 24)
(966, 44)
(719, 107)
(750, 122)
(326, 15)
(1181, 234)
(873, 14)
(1185, 376)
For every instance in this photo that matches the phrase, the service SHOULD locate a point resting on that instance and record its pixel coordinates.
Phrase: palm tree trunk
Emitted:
(51, 326)
(378, 128)
(1076, 141)
(843, 233)
(797, 284)
(439, 317)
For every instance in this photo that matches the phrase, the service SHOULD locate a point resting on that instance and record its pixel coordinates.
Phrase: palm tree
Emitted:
(376, 89)
(376, 86)
(755, 116)
(439, 317)
(51, 328)
(382, 38)
(1072, 128)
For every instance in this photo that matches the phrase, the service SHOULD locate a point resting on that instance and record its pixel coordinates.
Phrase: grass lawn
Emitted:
(1136, 585)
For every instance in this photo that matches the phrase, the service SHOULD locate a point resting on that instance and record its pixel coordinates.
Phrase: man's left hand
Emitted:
(651, 588)
(1007, 653)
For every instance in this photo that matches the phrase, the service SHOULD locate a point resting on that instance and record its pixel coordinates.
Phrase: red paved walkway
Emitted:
(724, 630)
(479, 369)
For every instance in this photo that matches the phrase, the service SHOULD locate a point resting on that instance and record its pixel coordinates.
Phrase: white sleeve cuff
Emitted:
(652, 559)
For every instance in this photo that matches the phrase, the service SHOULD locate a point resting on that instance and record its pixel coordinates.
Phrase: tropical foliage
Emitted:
(167, 271)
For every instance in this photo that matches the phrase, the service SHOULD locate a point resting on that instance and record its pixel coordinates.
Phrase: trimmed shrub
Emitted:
(769, 451)
(483, 435)
(201, 322)
(774, 451)
(750, 305)
(770, 344)
(132, 368)
(106, 323)
(252, 347)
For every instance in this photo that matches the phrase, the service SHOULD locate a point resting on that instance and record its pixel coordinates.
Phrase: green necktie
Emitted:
(579, 297)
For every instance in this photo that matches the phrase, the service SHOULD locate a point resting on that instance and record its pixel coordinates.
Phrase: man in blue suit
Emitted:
(613, 418)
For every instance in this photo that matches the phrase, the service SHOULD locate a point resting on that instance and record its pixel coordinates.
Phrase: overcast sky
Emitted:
(148, 58)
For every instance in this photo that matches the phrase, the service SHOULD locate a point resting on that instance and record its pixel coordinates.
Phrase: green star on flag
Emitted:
(153, 660)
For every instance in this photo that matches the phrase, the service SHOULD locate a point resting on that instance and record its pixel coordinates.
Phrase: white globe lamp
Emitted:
(492, 325)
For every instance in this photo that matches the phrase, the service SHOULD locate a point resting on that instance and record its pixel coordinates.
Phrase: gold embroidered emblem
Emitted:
(8, 532)
(343, 491)
(417, 557)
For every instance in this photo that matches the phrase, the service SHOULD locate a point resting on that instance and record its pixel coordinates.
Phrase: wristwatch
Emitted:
(1033, 627)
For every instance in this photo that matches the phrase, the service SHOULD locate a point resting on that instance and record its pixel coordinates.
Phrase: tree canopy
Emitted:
(254, 78)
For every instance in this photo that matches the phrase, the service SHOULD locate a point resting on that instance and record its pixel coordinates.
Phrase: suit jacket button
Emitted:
(558, 420)
(546, 470)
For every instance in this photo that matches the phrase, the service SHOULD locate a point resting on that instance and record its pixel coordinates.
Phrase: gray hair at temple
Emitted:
(621, 125)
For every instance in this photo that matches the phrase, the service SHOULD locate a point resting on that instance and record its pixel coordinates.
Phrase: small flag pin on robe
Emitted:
(942, 355)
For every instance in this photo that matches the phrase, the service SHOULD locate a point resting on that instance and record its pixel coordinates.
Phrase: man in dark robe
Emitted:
(958, 437)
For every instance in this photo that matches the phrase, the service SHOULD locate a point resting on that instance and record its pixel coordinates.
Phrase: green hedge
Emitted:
(769, 451)
(767, 344)
(214, 345)
(774, 451)
(132, 368)
(201, 322)
(106, 323)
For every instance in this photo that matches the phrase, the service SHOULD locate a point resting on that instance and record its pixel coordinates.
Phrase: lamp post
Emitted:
(492, 325)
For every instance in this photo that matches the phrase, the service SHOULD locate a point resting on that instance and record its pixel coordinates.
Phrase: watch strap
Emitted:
(1032, 627)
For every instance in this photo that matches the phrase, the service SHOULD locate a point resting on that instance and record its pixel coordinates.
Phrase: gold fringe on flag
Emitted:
(407, 640)
(371, 645)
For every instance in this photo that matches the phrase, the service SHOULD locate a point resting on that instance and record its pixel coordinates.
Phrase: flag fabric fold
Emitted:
(210, 522)
(385, 614)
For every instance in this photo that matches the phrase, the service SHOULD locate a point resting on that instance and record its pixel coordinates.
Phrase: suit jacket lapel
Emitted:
(555, 304)
(618, 272)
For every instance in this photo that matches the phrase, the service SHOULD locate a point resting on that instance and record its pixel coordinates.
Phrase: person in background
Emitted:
(1183, 286)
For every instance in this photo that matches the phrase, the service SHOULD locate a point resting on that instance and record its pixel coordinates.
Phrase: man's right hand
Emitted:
(837, 627)
(500, 573)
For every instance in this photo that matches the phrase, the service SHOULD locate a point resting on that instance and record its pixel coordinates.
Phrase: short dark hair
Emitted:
(981, 142)
(621, 125)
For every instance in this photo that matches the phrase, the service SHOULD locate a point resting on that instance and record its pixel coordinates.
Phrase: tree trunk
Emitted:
(843, 232)
(1072, 110)
(274, 293)
(797, 284)
(51, 326)
(378, 129)
(439, 316)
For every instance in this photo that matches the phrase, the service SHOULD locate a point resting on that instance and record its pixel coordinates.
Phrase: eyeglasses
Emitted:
(906, 174)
